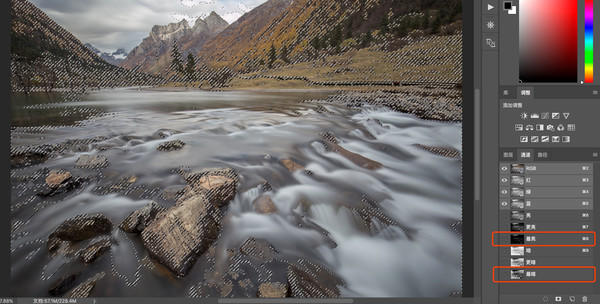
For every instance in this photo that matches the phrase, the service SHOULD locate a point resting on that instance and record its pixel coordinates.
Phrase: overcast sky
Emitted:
(112, 24)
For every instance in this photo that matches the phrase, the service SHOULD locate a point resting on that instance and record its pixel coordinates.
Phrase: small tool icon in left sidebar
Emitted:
(490, 41)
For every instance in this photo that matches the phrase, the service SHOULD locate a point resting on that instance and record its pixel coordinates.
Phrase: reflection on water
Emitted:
(250, 132)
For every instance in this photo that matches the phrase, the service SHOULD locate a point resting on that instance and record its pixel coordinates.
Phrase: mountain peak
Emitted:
(169, 31)
(215, 23)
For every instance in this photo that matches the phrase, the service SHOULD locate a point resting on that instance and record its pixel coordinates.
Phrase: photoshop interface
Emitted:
(539, 150)
(302, 151)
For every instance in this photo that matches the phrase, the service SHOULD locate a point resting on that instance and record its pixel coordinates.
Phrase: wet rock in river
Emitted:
(171, 145)
(291, 165)
(57, 177)
(66, 186)
(356, 158)
(260, 249)
(84, 289)
(89, 161)
(272, 290)
(123, 183)
(164, 133)
(263, 204)
(53, 244)
(63, 284)
(95, 250)
(219, 185)
(138, 220)
(359, 160)
(309, 280)
(181, 233)
(20, 159)
(80, 228)
(447, 152)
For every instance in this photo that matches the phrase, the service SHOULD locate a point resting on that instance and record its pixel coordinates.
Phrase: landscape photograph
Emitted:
(236, 148)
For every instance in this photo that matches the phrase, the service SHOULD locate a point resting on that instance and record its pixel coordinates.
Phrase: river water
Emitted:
(248, 132)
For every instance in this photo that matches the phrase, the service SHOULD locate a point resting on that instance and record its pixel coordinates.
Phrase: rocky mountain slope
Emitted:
(45, 56)
(302, 28)
(153, 54)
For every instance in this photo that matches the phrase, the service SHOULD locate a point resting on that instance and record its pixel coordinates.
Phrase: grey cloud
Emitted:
(113, 24)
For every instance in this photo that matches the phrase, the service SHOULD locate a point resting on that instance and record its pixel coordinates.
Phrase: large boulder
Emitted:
(79, 228)
(138, 220)
(181, 233)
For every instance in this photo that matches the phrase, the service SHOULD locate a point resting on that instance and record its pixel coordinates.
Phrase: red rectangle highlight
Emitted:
(528, 267)
(548, 41)
(540, 232)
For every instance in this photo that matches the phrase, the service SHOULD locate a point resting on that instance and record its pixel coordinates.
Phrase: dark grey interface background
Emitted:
(539, 152)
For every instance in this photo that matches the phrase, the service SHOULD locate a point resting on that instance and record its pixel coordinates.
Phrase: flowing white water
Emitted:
(420, 191)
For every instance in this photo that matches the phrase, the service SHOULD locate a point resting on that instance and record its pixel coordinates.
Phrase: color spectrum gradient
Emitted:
(589, 41)
(548, 41)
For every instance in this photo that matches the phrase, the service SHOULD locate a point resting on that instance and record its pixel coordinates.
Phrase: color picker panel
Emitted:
(589, 41)
(548, 41)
